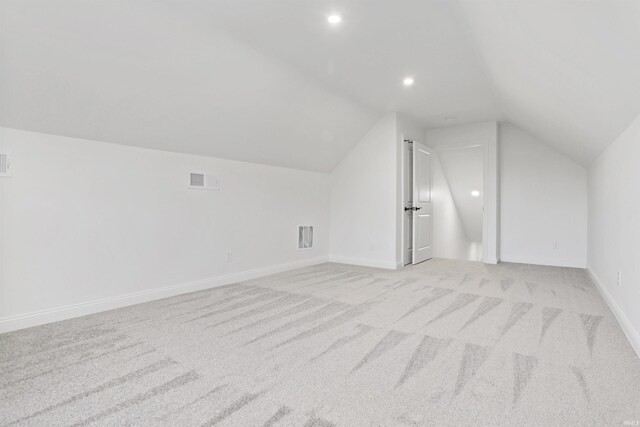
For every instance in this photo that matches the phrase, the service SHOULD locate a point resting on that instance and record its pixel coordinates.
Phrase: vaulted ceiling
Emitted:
(271, 82)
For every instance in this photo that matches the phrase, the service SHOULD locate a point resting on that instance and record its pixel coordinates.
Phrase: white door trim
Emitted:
(423, 207)
(491, 217)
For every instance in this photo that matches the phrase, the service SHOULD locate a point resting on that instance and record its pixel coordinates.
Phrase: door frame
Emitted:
(406, 166)
(417, 148)
(491, 197)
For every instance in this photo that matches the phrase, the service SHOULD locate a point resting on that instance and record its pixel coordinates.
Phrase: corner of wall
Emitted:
(543, 203)
(366, 177)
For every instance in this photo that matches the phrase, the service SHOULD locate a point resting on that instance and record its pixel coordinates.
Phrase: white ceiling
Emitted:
(139, 73)
(378, 43)
(565, 71)
(271, 82)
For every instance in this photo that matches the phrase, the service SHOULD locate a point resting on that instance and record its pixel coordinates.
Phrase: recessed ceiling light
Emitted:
(475, 193)
(408, 81)
(334, 19)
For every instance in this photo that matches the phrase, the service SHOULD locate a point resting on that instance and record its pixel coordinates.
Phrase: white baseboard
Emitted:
(388, 265)
(552, 262)
(27, 320)
(627, 327)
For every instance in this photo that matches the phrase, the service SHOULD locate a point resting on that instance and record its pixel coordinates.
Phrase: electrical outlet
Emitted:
(619, 279)
(229, 256)
(556, 245)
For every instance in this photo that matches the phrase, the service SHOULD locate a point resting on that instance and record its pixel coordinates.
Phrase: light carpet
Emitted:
(442, 343)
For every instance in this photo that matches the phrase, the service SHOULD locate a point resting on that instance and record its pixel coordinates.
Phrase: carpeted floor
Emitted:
(441, 343)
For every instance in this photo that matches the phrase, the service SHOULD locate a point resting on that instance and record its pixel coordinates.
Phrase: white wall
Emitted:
(542, 196)
(614, 228)
(87, 226)
(461, 135)
(85, 221)
(543, 203)
(364, 199)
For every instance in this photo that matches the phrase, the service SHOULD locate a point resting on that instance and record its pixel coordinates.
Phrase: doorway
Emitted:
(417, 221)
(454, 223)
(463, 169)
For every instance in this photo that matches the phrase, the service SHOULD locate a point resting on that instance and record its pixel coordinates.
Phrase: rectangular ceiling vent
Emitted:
(305, 237)
(205, 181)
(5, 165)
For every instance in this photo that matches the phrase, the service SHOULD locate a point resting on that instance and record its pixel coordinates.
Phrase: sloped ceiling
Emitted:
(153, 75)
(566, 71)
(271, 82)
(367, 56)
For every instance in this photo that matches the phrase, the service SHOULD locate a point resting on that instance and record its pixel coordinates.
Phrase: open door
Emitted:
(422, 239)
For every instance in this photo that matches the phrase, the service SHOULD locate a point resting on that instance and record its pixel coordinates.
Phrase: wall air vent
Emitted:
(305, 237)
(205, 181)
(5, 165)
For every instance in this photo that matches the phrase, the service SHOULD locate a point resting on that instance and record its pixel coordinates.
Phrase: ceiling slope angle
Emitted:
(375, 47)
(565, 71)
(277, 82)
(152, 74)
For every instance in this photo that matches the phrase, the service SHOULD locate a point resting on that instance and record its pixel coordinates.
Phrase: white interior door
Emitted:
(407, 202)
(422, 239)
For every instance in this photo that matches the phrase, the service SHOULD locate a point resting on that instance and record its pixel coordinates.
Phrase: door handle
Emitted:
(412, 209)
(416, 209)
